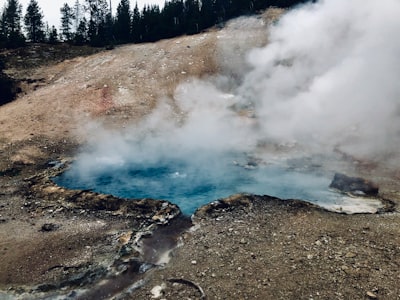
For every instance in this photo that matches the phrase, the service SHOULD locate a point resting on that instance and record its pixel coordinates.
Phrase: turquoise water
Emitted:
(191, 186)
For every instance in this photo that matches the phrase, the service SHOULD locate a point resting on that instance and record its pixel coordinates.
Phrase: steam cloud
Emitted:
(328, 79)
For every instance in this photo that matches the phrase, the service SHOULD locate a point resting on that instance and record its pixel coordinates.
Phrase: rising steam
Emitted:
(328, 79)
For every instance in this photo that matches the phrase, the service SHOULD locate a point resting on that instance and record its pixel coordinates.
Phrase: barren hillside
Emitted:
(123, 84)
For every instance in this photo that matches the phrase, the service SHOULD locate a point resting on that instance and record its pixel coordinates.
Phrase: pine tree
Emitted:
(239, 7)
(3, 37)
(123, 22)
(222, 10)
(33, 21)
(80, 36)
(98, 10)
(12, 17)
(192, 16)
(67, 17)
(173, 16)
(136, 26)
(207, 14)
(108, 35)
(151, 18)
(11, 24)
(99, 18)
(52, 35)
(78, 12)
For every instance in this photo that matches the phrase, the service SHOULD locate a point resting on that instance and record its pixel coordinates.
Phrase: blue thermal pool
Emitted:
(193, 185)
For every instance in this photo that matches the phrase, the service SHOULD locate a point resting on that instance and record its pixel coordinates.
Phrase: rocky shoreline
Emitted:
(57, 241)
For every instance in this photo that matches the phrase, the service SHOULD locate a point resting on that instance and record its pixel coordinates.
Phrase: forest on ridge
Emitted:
(93, 22)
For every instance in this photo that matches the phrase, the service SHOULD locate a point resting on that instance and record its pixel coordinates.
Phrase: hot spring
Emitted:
(192, 185)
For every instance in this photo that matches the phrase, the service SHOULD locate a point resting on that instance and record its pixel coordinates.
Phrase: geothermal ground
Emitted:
(61, 244)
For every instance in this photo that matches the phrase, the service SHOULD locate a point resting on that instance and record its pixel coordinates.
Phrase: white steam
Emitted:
(328, 79)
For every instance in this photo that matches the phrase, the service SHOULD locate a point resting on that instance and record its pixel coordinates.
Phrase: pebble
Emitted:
(49, 227)
(371, 295)
(350, 255)
(193, 262)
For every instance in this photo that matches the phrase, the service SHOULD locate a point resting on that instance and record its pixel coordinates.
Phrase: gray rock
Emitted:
(354, 185)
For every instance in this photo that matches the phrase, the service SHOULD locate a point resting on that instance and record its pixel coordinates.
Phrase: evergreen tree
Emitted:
(3, 37)
(239, 7)
(151, 23)
(108, 35)
(33, 20)
(221, 10)
(136, 26)
(207, 14)
(67, 17)
(98, 21)
(92, 31)
(173, 18)
(98, 10)
(12, 17)
(123, 22)
(78, 12)
(11, 24)
(52, 35)
(192, 16)
(176, 18)
(80, 36)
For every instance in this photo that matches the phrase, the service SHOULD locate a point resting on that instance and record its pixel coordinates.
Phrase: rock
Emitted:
(350, 255)
(318, 243)
(45, 287)
(354, 185)
(234, 201)
(371, 295)
(55, 164)
(157, 291)
(49, 227)
(125, 238)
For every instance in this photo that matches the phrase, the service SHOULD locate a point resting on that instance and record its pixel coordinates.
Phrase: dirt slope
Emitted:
(122, 84)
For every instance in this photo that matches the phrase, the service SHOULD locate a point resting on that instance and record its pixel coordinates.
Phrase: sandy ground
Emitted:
(55, 242)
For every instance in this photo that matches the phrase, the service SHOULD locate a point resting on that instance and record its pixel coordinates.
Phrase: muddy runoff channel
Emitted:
(154, 229)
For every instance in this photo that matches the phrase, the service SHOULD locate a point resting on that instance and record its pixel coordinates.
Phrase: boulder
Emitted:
(354, 185)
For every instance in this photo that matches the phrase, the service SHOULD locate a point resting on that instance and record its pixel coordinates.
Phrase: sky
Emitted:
(51, 8)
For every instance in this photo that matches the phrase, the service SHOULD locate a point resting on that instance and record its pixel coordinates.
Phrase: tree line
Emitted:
(92, 22)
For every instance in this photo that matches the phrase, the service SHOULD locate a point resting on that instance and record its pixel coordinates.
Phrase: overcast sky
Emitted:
(51, 8)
